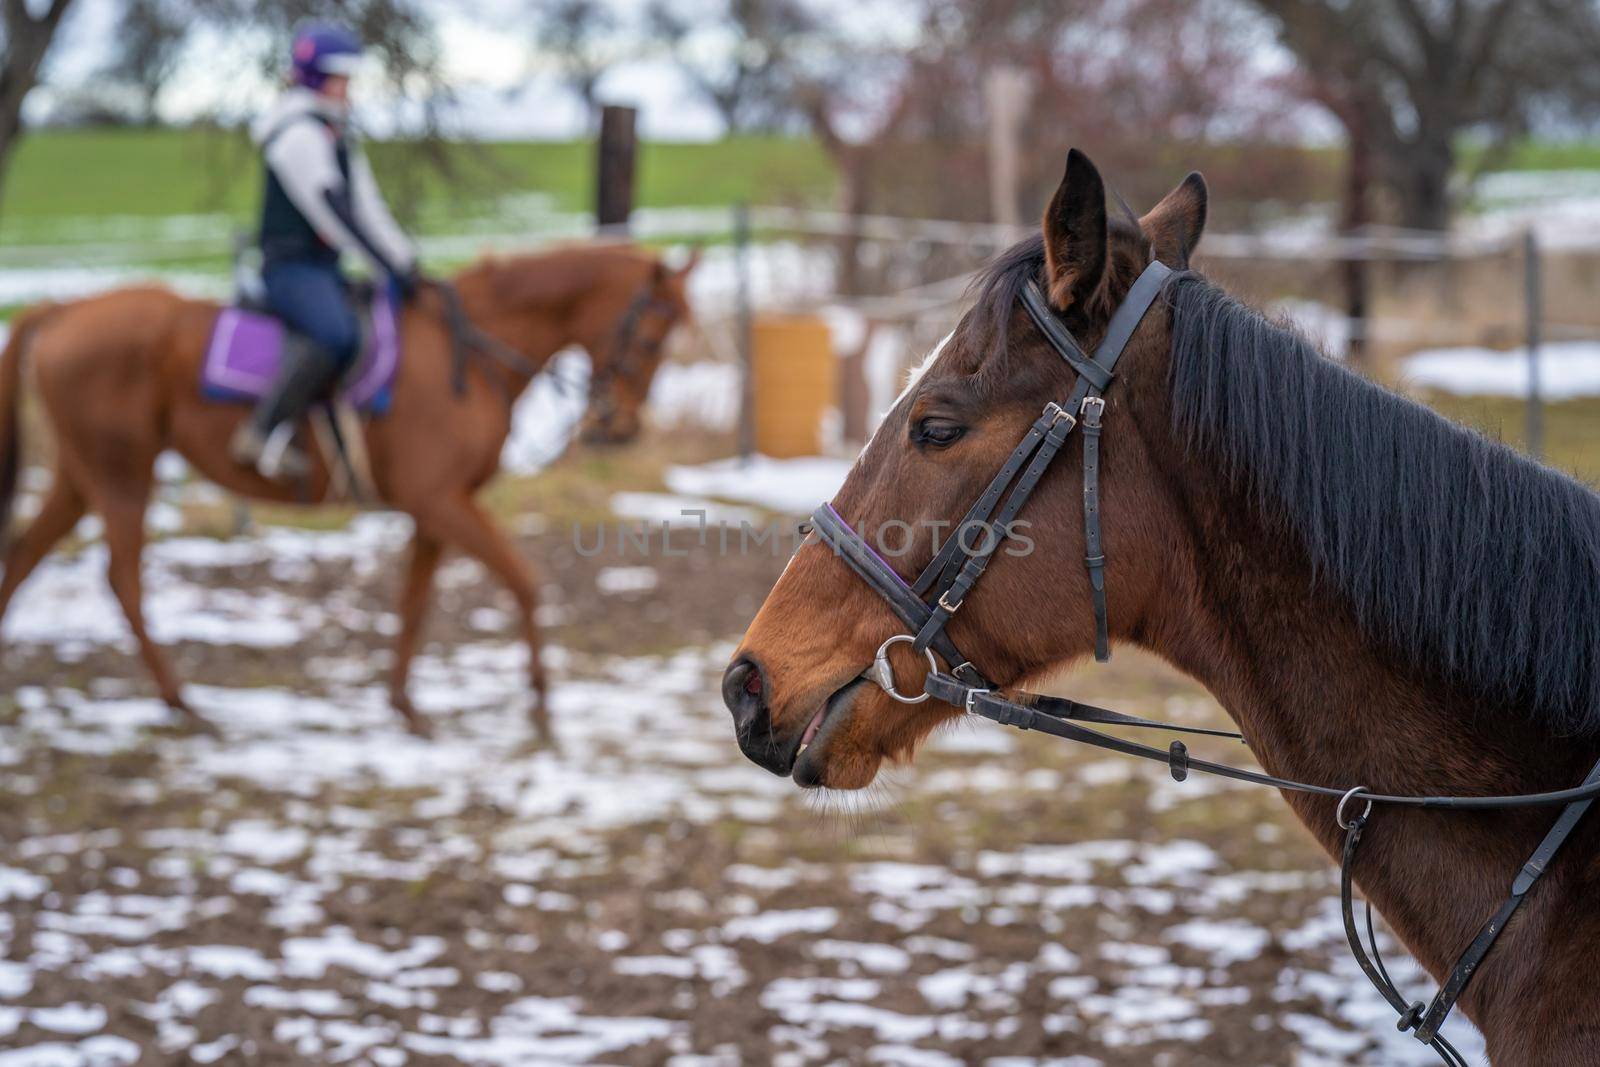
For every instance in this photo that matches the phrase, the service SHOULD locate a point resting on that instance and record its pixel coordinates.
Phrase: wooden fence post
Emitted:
(1005, 92)
(614, 169)
(1533, 301)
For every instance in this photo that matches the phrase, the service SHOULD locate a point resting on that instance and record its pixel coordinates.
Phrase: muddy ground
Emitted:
(315, 886)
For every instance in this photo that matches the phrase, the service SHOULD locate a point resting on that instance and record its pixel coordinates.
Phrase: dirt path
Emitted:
(318, 887)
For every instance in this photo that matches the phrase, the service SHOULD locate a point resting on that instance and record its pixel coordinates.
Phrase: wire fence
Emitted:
(903, 282)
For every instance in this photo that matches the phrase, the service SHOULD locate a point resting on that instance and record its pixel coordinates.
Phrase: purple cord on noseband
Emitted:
(867, 545)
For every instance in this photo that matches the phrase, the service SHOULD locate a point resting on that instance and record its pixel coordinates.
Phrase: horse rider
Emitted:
(321, 201)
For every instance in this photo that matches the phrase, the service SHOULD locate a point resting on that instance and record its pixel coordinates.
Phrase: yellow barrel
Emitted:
(795, 381)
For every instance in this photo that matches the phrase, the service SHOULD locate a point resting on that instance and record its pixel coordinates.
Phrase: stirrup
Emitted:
(280, 461)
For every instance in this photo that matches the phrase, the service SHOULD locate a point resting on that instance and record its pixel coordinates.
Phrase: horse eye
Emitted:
(938, 432)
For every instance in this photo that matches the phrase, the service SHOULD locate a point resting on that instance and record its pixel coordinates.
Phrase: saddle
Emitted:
(242, 359)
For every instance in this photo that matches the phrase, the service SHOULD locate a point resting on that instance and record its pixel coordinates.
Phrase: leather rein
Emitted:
(926, 605)
(468, 339)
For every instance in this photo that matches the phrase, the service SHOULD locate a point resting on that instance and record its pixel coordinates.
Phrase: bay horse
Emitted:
(118, 375)
(1376, 596)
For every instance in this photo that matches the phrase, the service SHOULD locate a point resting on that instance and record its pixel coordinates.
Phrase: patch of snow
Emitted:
(1567, 369)
(704, 393)
(1226, 941)
(615, 580)
(69, 1018)
(769, 926)
(790, 486)
(869, 956)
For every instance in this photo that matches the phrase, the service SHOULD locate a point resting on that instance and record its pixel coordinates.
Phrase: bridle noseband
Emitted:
(927, 604)
(644, 305)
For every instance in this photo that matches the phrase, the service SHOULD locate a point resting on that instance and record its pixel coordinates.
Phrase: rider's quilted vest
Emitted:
(285, 231)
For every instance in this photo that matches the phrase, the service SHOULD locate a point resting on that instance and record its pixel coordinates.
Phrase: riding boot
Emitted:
(266, 440)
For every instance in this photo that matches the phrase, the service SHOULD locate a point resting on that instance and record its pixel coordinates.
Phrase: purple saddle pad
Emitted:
(246, 347)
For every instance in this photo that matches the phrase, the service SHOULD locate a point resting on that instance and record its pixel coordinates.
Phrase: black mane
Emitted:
(1453, 550)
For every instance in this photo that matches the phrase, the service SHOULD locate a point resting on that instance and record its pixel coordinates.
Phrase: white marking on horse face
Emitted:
(913, 376)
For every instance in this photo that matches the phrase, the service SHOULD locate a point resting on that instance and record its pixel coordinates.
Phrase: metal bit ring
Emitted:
(883, 674)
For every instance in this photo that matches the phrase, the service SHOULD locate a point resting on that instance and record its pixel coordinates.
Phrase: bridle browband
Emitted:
(927, 604)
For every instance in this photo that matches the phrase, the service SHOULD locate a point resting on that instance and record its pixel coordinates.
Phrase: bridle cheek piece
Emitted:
(927, 604)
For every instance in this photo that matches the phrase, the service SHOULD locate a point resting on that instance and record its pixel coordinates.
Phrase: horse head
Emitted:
(625, 330)
(795, 686)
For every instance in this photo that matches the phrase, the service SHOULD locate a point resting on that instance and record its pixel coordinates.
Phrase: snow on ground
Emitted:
(704, 393)
(1323, 324)
(26, 284)
(1561, 206)
(791, 486)
(547, 414)
(69, 605)
(672, 510)
(317, 886)
(1567, 369)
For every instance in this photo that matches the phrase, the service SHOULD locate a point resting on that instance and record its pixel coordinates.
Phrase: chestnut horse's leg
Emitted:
(123, 508)
(62, 509)
(414, 602)
(461, 522)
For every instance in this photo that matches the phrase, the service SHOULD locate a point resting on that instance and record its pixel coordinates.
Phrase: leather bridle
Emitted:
(927, 604)
(645, 305)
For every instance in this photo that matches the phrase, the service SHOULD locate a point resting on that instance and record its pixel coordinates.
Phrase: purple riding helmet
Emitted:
(322, 49)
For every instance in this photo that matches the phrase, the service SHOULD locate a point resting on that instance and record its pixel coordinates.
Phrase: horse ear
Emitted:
(691, 263)
(1174, 225)
(1075, 234)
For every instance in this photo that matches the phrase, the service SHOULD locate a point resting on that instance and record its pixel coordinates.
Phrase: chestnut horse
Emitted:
(1375, 595)
(118, 375)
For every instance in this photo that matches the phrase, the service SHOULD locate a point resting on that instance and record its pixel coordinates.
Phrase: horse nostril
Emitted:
(742, 688)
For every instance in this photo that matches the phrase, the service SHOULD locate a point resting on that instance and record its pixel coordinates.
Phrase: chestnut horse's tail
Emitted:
(22, 326)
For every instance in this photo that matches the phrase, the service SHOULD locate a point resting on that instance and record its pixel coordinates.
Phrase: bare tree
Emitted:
(1407, 78)
(400, 34)
(399, 31)
(149, 39)
(1142, 85)
(743, 72)
(580, 35)
(26, 40)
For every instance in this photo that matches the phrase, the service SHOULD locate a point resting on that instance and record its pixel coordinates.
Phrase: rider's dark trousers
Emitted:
(310, 296)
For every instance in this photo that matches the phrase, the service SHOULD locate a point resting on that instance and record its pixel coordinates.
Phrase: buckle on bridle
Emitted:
(1057, 413)
(883, 674)
(972, 695)
(944, 603)
(1093, 406)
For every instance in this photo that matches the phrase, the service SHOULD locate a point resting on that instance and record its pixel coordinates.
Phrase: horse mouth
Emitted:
(810, 757)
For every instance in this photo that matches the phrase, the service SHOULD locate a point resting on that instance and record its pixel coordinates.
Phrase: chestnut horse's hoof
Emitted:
(192, 721)
(539, 719)
(417, 724)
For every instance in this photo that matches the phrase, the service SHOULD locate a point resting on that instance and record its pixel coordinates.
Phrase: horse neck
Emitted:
(535, 328)
(1318, 700)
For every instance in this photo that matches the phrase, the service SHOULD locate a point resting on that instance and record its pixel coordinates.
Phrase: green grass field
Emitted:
(68, 176)
(61, 175)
